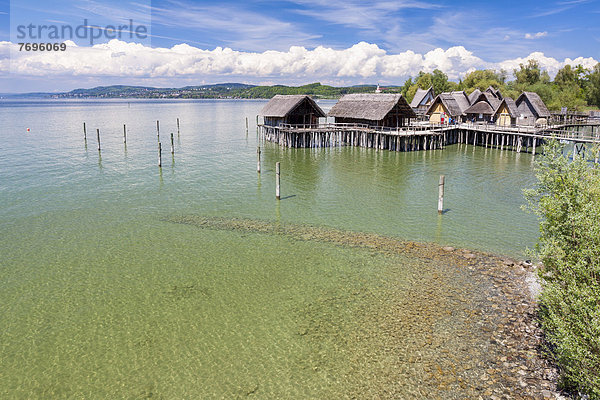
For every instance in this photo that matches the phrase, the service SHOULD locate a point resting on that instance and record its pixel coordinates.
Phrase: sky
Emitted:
(173, 43)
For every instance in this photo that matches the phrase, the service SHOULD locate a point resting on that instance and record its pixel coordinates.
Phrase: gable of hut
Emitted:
(422, 100)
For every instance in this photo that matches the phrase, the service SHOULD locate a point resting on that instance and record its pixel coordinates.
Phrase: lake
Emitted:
(106, 294)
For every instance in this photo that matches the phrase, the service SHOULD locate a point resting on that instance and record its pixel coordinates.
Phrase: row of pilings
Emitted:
(393, 141)
(402, 140)
(514, 141)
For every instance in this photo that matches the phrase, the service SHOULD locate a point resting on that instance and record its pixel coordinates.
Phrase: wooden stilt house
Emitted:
(506, 114)
(381, 110)
(292, 110)
(448, 106)
(480, 112)
(422, 101)
(532, 110)
(483, 107)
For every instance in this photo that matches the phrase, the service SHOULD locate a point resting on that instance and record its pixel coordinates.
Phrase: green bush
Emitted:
(567, 200)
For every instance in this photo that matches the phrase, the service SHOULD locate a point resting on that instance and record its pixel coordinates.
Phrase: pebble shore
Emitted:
(495, 328)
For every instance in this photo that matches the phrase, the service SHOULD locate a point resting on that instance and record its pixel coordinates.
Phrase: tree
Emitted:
(567, 200)
(437, 79)
(544, 90)
(440, 83)
(565, 76)
(528, 74)
(482, 79)
(405, 89)
(593, 86)
(567, 95)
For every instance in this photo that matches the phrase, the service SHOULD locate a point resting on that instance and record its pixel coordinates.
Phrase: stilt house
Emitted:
(448, 106)
(532, 109)
(506, 114)
(382, 109)
(293, 110)
(422, 101)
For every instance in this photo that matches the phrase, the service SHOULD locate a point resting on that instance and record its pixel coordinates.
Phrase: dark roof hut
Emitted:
(489, 98)
(292, 109)
(422, 100)
(481, 107)
(474, 96)
(495, 92)
(382, 109)
(480, 111)
(531, 104)
(462, 99)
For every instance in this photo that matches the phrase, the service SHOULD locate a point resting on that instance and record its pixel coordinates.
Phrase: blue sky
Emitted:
(490, 33)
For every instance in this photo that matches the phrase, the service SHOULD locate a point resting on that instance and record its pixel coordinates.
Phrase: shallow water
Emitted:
(104, 296)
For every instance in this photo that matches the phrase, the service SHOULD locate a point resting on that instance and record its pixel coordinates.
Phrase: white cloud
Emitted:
(538, 35)
(363, 62)
(550, 64)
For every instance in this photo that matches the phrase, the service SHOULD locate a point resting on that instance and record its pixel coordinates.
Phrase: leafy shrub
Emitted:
(567, 199)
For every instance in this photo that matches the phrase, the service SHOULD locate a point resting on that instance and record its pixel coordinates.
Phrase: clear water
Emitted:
(102, 295)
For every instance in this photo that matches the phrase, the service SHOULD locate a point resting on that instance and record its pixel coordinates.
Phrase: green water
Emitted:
(103, 296)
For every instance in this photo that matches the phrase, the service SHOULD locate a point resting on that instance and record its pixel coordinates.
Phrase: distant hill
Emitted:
(216, 91)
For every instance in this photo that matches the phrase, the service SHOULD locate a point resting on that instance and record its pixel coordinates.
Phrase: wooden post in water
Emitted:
(177, 127)
(258, 159)
(172, 146)
(277, 181)
(84, 133)
(533, 146)
(124, 133)
(98, 137)
(441, 194)
(246, 125)
(157, 132)
(159, 155)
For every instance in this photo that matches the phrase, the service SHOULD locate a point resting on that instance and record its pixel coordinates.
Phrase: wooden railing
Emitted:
(539, 131)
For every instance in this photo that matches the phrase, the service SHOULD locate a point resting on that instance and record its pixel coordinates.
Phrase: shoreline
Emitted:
(507, 319)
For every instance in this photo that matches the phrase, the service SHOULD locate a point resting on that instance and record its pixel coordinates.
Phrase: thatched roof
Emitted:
(474, 96)
(419, 96)
(481, 107)
(371, 107)
(282, 105)
(488, 98)
(494, 92)
(450, 104)
(537, 105)
(462, 99)
(511, 105)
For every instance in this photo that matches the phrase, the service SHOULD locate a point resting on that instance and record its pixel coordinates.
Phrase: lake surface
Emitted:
(104, 295)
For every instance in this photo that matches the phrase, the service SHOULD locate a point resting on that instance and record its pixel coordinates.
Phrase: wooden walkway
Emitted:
(430, 136)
